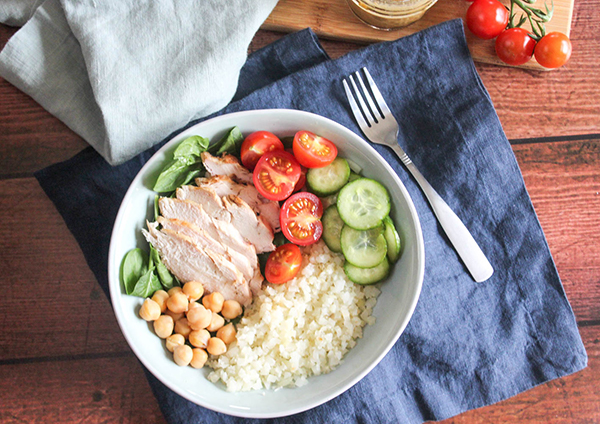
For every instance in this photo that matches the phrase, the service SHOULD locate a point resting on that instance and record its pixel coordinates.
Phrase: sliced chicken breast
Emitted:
(203, 240)
(226, 165)
(223, 185)
(232, 209)
(221, 231)
(189, 262)
(253, 228)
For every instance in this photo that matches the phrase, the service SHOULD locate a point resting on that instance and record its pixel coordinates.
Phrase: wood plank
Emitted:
(78, 392)
(52, 303)
(82, 390)
(334, 19)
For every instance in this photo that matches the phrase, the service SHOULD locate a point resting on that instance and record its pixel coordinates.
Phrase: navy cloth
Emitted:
(467, 344)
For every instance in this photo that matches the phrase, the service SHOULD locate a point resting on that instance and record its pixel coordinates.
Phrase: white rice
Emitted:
(298, 329)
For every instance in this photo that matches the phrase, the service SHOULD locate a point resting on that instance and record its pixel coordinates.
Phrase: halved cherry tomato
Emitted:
(257, 144)
(553, 50)
(487, 18)
(312, 150)
(283, 264)
(300, 218)
(276, 174)
(303, 170)
(514, 46)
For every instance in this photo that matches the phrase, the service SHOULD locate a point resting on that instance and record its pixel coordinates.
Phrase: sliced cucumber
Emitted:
(329, 200)
(332, 228)
(392, 238)
(329, 179)
(363, 204)
(353, 176)
(366, 276)
(363, 248)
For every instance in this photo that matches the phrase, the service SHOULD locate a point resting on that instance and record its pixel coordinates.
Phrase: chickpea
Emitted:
(182, 327)
(174, 290)
(199, 338)
(199, 358)
(176, 317)
(150, 310)
(199, 317)
(213, 301)
(160, 297)
(231, 309)
(193, 305)
(163, 326)
(173, 341)
(182, 355)
(216, 322)
(193, 290)
(216, 346)
(227, 333)
(178, 302)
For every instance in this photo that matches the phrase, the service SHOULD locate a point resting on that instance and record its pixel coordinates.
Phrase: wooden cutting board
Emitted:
(333, 19)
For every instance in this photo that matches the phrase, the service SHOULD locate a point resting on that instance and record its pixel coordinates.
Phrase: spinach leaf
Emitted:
(191, 146)
(230, 143)
(156, 208)
(133, 266)
(147, 284)
(177, 173)
(164, 275)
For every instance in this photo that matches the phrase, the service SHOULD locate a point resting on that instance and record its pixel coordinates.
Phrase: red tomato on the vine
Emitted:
(257, 144)
(553, 50)
(514, 46)
(300, 218)
(487, 18)
(276, 174)
(312, 150)
(283, 264)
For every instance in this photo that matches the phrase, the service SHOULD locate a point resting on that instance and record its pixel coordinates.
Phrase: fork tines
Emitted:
(373, 113)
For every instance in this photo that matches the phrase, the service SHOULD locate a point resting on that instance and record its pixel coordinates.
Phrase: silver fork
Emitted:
(380, 126)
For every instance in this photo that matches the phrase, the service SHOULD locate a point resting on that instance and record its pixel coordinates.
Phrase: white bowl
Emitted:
(394, 307)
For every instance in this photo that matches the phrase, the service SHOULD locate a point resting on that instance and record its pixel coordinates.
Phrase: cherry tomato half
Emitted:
(553, 50)
(283, 264)
(312, 150)
(300, 218)
(303, 170)
(487, 18)
(257, 144)
(514, 46)
(276, 174)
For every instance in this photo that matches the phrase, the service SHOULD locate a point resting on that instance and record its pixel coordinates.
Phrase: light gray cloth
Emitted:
(125, 74)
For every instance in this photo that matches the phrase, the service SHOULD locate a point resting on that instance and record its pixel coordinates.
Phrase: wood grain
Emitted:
(78, 391)
(334, 19)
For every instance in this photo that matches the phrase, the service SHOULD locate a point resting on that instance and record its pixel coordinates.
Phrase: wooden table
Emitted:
(62, 355)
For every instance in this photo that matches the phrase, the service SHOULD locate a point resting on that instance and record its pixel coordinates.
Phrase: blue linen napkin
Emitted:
(467, 344)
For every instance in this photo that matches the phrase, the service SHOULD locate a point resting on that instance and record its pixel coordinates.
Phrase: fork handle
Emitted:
(460, 237)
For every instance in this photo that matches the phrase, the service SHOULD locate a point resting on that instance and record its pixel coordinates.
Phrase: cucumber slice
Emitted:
(363, 204)
(353, 176)
(392, 238)
(332, 228)
(364, 249)
(329, 200)
(367, 276)
(329, 179)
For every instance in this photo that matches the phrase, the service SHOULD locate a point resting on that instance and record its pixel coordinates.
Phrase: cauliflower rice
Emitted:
(298, 329)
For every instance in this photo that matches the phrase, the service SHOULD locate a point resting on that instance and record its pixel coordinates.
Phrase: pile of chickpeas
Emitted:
(179, 318)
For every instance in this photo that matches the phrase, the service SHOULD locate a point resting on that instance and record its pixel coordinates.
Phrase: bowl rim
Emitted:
(116, 292)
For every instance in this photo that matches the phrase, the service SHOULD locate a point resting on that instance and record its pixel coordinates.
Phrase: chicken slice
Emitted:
(226, 165)
(232, 209)
(222, 185)
(221, 231)
(253, 228)
(189, 262)
(203, 240)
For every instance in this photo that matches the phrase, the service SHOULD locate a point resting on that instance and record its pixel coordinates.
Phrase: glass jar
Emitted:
(390, 14)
